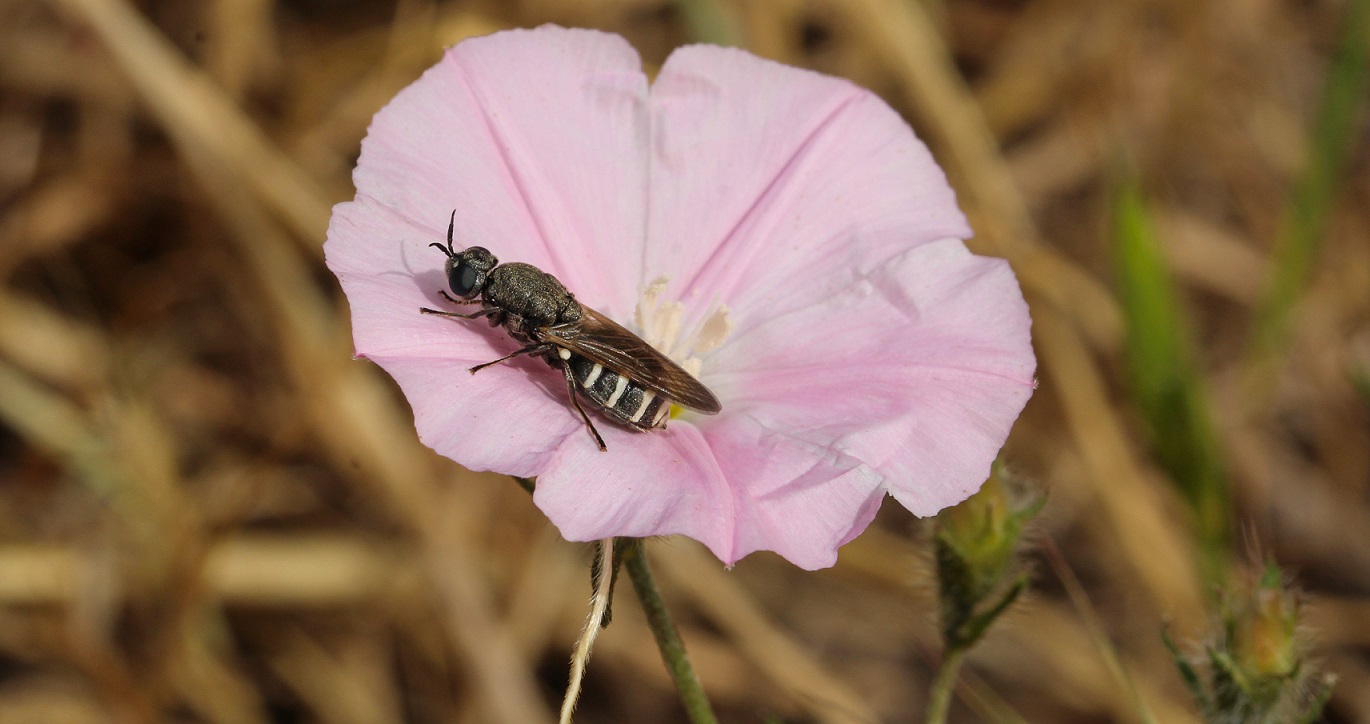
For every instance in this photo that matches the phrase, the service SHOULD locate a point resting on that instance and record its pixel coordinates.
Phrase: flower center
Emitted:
(660, 324)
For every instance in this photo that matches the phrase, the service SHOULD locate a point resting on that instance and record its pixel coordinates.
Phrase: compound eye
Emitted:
(463, 278)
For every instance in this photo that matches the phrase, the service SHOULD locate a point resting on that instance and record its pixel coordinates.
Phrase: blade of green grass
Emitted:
(1313, 195)
(1166, 386)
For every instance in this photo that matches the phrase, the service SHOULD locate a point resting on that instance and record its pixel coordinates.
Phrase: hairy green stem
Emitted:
(667, 637)
(940, 702)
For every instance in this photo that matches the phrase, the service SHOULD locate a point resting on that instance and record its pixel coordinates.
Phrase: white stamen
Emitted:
(660, 323)
(647, 304)
(715, 330)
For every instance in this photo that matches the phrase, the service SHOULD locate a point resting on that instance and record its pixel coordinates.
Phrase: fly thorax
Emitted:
(570, 312)
(526, 291)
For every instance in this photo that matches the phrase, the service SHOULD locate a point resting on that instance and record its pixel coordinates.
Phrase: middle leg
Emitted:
(575, 400)
(530, 349)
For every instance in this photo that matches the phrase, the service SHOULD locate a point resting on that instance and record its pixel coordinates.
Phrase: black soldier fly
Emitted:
(627, 379)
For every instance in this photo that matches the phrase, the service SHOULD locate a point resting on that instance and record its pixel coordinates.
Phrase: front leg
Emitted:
(473, 315)
(449, 298)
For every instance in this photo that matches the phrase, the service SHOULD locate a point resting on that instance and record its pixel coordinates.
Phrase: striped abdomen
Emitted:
(620, 397)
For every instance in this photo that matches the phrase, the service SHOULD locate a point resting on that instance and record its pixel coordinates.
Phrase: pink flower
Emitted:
(781, 232)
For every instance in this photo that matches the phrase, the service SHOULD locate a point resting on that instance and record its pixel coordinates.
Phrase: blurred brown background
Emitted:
(210, 513)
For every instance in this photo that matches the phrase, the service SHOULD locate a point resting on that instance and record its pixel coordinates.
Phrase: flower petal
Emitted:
(536, 138)
(772, 186)
(918, 371)
(387, 281)
(473, 134)
(867, 354)
(661, 483)
(738, 489)
(509, 418)
(800, 500)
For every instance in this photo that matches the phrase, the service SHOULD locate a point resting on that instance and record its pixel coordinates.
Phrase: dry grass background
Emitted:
(209, 512)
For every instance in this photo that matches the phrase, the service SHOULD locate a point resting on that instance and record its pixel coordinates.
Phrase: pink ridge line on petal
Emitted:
(729, 491)
(766, 193)
(509, 166)
(831, 454)
(980, 373)
(642, 280)
(810, 369)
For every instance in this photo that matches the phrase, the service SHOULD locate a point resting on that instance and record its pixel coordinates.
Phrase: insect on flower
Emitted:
(782, 235)
(623, 376)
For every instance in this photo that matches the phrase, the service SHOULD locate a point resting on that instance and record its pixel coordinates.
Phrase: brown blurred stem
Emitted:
(667, 637)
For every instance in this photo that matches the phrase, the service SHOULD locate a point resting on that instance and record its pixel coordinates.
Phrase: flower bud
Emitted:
(978, 566)
(1262, 629)
(1256, 670)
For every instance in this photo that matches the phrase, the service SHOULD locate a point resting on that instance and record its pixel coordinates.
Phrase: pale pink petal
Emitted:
(663, 482)
(509, 418)
(388, 273)
(801, 500)
(536, 138)
(918, 371)
(473, 134)
(871, 352)
(738, 489)
(773, 186)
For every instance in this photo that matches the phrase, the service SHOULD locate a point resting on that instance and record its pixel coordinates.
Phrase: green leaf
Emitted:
(1315, 192)
(1165, 383)
(976, 627)
(1187, 672)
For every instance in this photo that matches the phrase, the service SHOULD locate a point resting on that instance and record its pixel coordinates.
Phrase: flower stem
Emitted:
(667, 637)
(942, 686)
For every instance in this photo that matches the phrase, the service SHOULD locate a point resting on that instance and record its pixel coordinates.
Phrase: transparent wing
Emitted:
(604, 341)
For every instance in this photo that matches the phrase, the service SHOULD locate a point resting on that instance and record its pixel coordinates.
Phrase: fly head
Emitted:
(467, 270)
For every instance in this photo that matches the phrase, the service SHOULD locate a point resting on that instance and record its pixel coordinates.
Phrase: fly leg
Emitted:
(458, 302)
(575, 400)
(449, 298)
(473, 315)
(530, 349)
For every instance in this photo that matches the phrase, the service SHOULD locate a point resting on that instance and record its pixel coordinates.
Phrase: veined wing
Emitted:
(606, 342)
